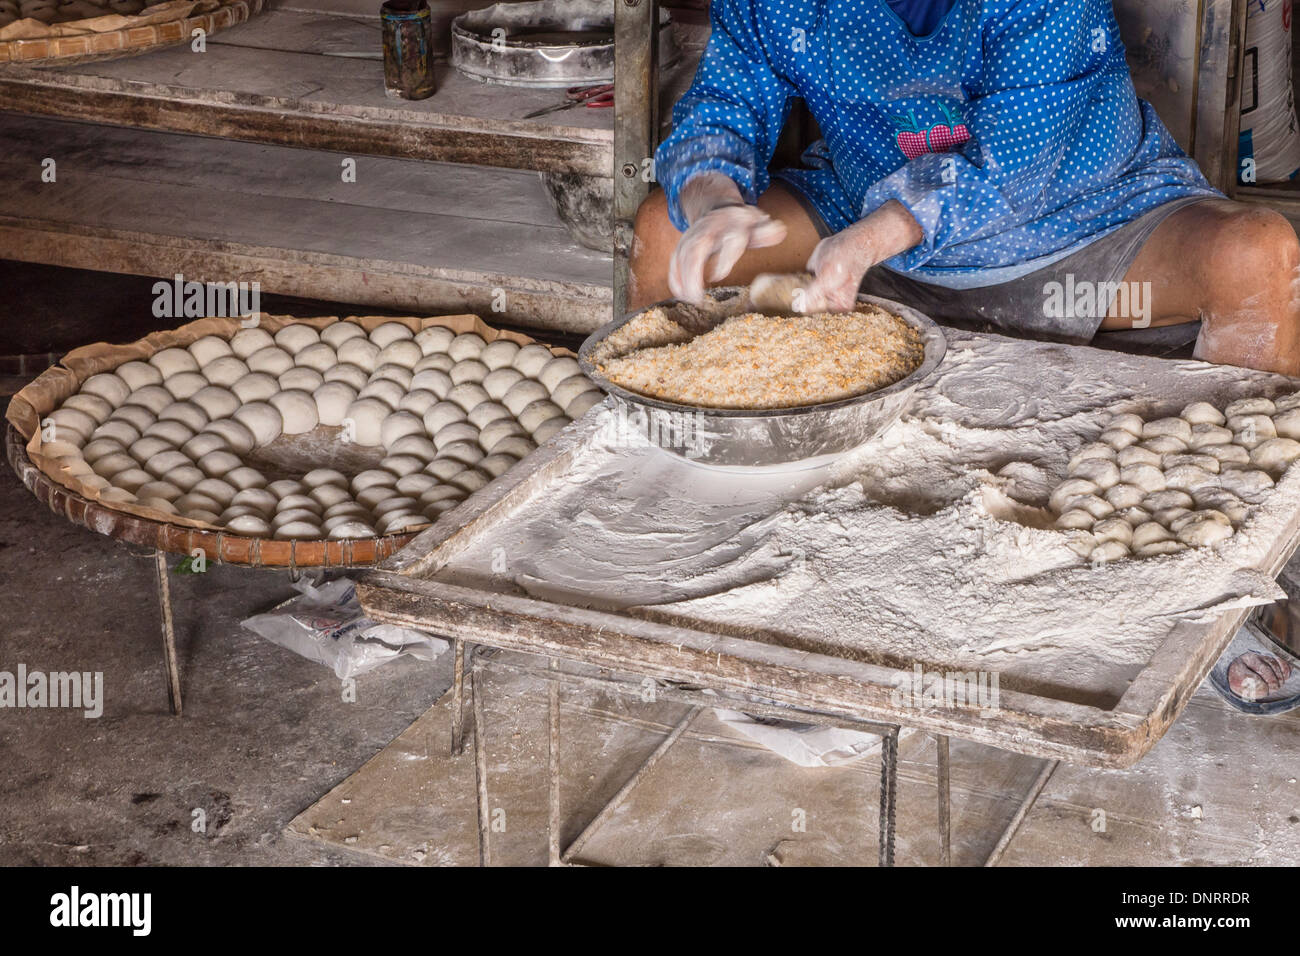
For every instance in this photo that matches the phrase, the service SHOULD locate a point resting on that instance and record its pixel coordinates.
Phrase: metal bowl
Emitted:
(779, 436)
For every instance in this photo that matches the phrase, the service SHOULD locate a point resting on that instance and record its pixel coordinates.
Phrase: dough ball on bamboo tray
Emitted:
(213, 427)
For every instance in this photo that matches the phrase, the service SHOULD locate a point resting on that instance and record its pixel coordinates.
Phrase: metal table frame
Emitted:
(556, 674)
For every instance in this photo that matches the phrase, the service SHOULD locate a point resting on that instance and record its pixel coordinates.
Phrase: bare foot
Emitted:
(1252, 676)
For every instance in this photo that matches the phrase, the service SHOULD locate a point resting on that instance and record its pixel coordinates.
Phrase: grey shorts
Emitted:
(1031, 305)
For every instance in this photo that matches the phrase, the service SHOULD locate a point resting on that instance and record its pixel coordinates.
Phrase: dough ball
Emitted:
(1202, 413)
(1149, 533)
(498, 354)
(1225, 454)
(238, 436)
(439, 360)
(92, 405)
(298, 502)
(484, 413)
(349, 528)
(432, 380)
(215, 464)
(69, 422)
(250, 525)
(297, 531)
(208, 349)
(1121, 495)
(186, 477)
(332, 402)
(1284, 403)
(393, 373)
(1250, 406)
(111, 388)
(1217, 499)
(573, 386)
(1147, 477)
(386, 391)
(1118, 438)
(327, 495)
(526, 392)
(173, 361)
(402, 523)
(297, 410)
(255, 387)
(362, 353)
(272, 360)
(144, 448)
(435, 339)
(183, 385)
(245, 478)
(470, 480)
(503, 428)
(1208, 462)
(124, 433)
(139, 374)
(518, 447)
(1202, 528)
(1206, 435)
(416, 484)
(225, 371)
(367, 419)
(1129, 422)
(99, 447)
(402, 465)
(390, 332)
(466, 452)
(1251, 430)
(1286, 423)
(1165, 445)
(1275, 455)
(1189, 478)
(296, 337)
(404, 353)
(1109, 551)
(301, 378)
(1099, 471)
(496, 465)
(352, 375)
(468, 370)
(467, 345)
(132, 480)
(531, 359)
(317, 356)
(201, 444)
(154, 398)
(337, 333)
(557, 370)
(456, 432)
(500, 381)
(399, 425)
(247, 341)
(177, 433)
(1137, 455)
(468, 395)
(1248, 484)
(534, 413)
(1113, 529)
(159, 465)
(215, 401)
(262, 419)
(285, 487)
(441, 415)
(1157, 548)
(584, 403)
(319, 477)
(418, 401)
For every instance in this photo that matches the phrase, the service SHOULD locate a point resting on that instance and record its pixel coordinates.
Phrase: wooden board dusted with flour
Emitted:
(1095, 662)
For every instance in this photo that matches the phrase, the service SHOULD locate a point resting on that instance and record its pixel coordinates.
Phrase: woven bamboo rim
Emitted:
(127, 41)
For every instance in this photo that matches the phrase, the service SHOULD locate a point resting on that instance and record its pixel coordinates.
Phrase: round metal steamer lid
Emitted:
(780, 436)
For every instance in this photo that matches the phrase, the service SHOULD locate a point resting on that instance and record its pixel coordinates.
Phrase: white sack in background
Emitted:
(325, 624)
(1270, 139)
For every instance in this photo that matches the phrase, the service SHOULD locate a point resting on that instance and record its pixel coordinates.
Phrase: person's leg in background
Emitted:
(1234, 266)
(654, 238)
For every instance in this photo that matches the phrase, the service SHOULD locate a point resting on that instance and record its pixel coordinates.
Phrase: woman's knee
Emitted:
(1255, 251)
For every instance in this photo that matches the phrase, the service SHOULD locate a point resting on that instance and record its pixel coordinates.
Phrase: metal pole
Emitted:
(553, 801)
(480, 763)
(168, 633)
(458, 699)
(945, 802)
(609, 809)
(888, 794)
(1021, 812)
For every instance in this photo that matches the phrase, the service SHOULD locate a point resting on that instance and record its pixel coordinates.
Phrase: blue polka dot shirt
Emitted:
(1012, 133)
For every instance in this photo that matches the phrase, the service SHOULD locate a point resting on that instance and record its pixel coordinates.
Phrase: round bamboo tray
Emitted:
(128, 41)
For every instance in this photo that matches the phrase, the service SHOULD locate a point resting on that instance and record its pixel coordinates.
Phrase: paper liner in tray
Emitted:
(53, 386)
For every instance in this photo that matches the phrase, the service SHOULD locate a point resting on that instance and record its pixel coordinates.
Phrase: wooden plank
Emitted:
(488, 248)
(318, 101)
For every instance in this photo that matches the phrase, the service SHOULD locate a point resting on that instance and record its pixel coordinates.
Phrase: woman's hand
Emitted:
(840, 262)
(722, 227)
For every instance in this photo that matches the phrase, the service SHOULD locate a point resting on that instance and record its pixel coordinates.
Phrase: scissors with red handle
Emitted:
(592, 97)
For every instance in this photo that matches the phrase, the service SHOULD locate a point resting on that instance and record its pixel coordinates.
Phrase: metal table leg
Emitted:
(1022, 811)
(458, 699)
(553, 765)
(888, 794)
(945, 801)
(168, 633)
(480, 763)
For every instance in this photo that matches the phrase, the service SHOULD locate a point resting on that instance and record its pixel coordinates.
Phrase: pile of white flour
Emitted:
(925, 546)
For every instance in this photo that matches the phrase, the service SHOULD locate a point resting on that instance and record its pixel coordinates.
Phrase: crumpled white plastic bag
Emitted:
(808, 745)
(325, 624)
